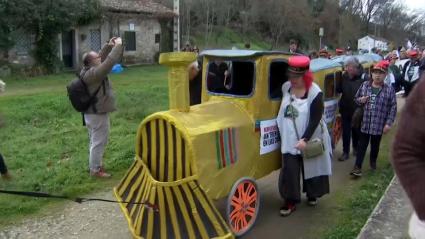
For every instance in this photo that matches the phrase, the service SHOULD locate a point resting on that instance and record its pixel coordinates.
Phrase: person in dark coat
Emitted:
(352, 78)
(408, 155)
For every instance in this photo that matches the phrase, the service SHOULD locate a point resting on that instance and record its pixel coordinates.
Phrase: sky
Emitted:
(414, 4)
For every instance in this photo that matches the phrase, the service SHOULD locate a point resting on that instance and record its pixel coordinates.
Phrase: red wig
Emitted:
(308, 79)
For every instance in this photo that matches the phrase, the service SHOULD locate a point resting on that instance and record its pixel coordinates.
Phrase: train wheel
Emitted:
(336, 131)
(243, 205)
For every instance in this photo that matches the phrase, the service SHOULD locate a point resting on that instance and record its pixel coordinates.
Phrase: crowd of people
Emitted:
(368, 108)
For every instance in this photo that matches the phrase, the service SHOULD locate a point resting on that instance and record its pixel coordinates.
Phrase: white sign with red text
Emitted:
(270, 137)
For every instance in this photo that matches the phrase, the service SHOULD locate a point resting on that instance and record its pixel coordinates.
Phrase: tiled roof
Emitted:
(148, 7)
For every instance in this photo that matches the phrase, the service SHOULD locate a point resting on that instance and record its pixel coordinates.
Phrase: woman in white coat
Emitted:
(300, 120)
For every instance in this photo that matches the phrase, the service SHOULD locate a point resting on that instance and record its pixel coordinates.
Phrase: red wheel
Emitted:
(337, 131)
(243, 205)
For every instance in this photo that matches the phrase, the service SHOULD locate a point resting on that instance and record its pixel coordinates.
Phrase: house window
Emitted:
(231, 77)
(157, 38)
(23, 43)
(277, 76)
(330, 86)
(130, 41)
(95, 40)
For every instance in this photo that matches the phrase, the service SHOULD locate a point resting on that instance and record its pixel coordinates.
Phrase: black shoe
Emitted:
(343, 157)
(373, 166)
(357, 172)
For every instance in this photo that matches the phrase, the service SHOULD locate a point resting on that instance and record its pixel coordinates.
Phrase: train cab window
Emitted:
(329, 85)
(277, 76)
(231, 77)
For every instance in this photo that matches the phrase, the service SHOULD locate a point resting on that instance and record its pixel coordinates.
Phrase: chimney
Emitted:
(178, 78)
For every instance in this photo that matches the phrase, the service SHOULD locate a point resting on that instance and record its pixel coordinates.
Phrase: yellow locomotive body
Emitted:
(189, 155)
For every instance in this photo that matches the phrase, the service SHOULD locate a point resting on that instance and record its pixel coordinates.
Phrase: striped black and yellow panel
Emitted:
(162, 176)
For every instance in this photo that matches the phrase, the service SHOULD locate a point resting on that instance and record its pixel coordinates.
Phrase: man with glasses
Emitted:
(351, 80)
(94, 74)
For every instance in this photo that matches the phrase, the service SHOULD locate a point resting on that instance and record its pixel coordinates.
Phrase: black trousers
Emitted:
(375, 142)
(289, 180)
(348, 133)
(3, 168)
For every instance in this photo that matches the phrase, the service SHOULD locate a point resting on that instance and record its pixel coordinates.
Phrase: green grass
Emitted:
(46, 147)
(360, 197)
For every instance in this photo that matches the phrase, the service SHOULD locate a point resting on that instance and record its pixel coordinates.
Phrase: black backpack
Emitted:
(79, 95)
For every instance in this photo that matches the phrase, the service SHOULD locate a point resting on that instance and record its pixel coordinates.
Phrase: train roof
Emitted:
(316, 64)
(240, 53)
(365, 58)
(322, 63)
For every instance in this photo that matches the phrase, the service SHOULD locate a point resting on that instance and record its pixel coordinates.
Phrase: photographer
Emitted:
(94, 74)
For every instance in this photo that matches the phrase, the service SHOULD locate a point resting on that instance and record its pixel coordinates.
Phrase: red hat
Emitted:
(413, 53)
(339, 50)
(381, 66)
(298, 64)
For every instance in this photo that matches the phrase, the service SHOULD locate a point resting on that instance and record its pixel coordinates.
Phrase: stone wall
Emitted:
(91, 37)
(144, 28)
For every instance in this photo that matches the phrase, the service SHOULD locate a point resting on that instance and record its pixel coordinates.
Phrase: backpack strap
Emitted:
(88, 92)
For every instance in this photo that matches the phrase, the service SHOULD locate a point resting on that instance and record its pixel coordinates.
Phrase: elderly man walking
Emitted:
(351, 81)
(94, 75)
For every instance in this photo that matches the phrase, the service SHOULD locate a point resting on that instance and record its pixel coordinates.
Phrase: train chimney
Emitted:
(178, 78)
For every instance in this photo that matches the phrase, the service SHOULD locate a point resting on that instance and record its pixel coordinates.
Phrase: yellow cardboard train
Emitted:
(188, 156)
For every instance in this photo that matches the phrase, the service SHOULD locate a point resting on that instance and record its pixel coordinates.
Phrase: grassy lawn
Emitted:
(360, 197)
(46, 147)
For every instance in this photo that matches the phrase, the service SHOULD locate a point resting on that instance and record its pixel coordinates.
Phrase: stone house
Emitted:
(141, 24)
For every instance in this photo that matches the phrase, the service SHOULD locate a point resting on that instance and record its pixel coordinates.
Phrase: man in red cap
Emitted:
(379, 105)
(411, 72)
(339, 52)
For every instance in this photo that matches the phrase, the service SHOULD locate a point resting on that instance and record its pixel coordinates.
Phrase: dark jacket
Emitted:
(407, 65)
(297, 51)
(98, 76)
(348, 88)
(408, 148)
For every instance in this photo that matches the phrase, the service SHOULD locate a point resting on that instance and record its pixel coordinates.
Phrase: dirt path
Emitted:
(95, 220)
(89, 220)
